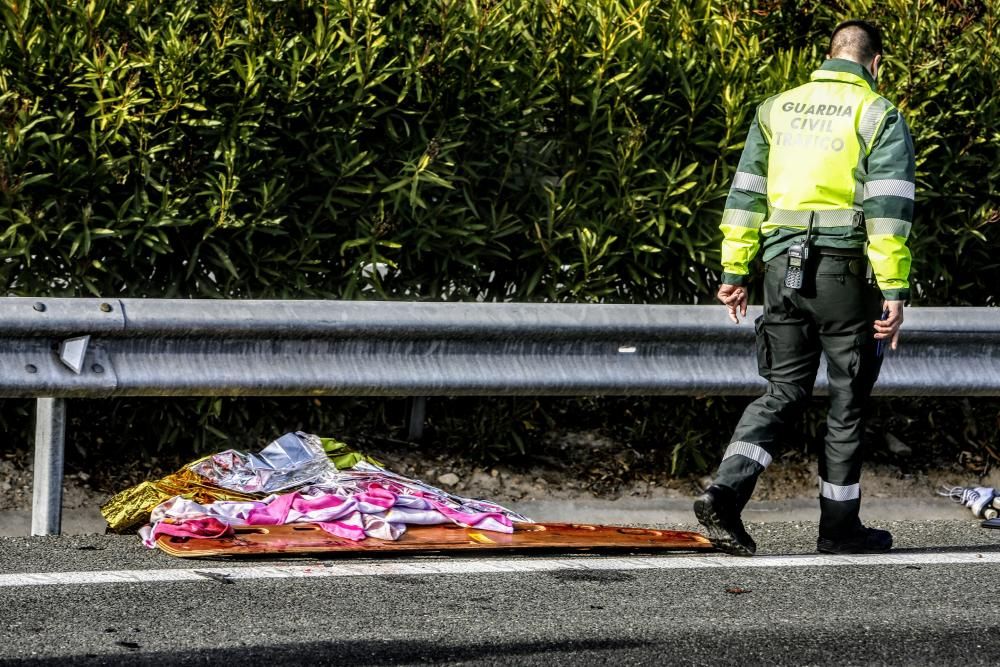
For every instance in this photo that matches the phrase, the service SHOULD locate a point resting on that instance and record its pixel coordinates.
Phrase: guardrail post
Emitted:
(417, 413)
(50, 445)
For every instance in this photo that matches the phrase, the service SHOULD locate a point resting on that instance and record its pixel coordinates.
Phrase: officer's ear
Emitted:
(876, 63)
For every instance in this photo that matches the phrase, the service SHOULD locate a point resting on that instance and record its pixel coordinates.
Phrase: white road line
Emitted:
(486, 566)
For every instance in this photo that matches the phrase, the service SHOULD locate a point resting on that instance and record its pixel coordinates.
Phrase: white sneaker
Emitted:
(976, 498)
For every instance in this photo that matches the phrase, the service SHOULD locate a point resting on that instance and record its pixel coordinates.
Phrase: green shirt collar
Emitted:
(848, 71)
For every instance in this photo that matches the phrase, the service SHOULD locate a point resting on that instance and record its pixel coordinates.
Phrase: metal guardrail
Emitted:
(53, 349)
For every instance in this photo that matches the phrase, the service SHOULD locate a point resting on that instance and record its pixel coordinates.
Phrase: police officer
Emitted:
(824, 189)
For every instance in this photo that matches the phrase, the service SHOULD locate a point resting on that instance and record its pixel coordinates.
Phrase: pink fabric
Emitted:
(273, 513)
(372, 511)
(325, 501)
(351, 528)
(205, 527)
(486, 520)
(377, 496)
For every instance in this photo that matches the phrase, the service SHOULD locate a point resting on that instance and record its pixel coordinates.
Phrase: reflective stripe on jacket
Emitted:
(837, 152)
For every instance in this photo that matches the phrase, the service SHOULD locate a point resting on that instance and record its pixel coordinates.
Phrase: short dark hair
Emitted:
(860, 39)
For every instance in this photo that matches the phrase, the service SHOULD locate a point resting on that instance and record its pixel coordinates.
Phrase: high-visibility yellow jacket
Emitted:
(837, 152)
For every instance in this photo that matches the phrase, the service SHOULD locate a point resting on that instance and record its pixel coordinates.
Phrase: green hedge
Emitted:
(527, 149)
(556, 150)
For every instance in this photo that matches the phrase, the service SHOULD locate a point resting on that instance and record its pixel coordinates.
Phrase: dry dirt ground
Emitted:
(577, 474)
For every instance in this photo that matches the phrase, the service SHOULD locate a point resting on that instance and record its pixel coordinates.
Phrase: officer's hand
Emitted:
(735, 297)
(889, 327)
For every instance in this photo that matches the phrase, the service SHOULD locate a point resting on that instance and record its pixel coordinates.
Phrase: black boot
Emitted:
(860, 541)
(716, 511)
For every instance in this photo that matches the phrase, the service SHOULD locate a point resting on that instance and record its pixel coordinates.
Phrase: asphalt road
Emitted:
(573, 610)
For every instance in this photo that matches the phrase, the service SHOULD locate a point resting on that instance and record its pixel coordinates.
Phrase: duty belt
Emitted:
(858, 264)
(841, 252)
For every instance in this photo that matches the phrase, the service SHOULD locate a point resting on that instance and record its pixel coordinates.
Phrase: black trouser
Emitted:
(833, 314)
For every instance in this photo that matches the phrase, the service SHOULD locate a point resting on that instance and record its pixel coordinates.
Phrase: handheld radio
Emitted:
(798, 256)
